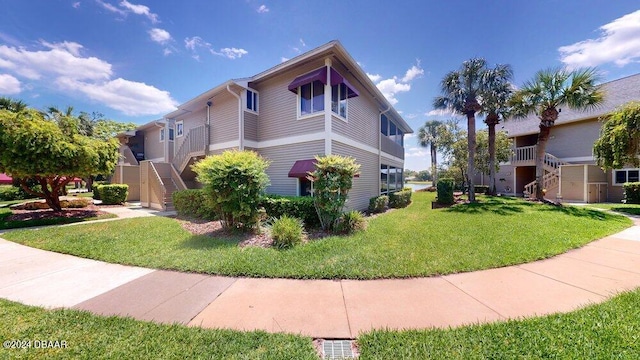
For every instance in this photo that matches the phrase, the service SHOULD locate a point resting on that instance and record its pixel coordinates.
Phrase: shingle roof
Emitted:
(617, 92)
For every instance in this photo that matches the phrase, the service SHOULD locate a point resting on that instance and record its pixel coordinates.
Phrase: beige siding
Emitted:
(278, 107)
(153, 148)
(573, 140)
(573, 183)
(250, 126)
(596, 175)
(615, 192)
(130, 175)
(224, 119)
(191, 120)
(366, 185)
(391, 147)
(282, 159)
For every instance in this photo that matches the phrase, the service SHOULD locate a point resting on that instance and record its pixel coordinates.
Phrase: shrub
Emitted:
(378, 204)
(65, 204)
(332, 181)
(300, 207)
(193, 203)
(234, 181)
(400, 199)
(8, 193)
(287, 231)
(113, 194)
(351, 221)
(632, 193)
(445, 191)
(96, 190)
(481, 189)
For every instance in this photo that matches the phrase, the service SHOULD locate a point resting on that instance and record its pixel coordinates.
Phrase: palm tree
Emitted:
(545, 94)
(428, 136)
(460, 92)
(12, 105)
(495, 105)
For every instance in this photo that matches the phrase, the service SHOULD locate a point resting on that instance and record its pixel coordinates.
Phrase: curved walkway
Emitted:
(338, 309)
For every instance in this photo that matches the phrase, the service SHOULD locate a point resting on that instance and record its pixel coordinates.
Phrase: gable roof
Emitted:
(616, 93)
(332, 48)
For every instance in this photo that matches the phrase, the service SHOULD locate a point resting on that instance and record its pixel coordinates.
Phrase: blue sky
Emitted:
(135, 60)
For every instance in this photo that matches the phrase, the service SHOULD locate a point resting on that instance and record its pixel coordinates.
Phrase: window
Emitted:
(305, 187)
(390, 179)
(171, 134)
(179, 128)
(626, 175)
(339, 95)
(383, 179)
(389, 129)
(252, 100)
(384, 125)
(162, 135)
(311, 98)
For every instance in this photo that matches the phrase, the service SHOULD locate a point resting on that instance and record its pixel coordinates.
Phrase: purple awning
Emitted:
(319, 75)
(336, 79)
(301, 168)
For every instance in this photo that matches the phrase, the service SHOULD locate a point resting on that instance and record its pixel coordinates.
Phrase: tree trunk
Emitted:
(434, 166)
(471, 139)
(541, 147)
(492, 158)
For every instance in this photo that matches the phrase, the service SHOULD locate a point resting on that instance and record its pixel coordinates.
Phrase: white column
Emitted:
(327, 110)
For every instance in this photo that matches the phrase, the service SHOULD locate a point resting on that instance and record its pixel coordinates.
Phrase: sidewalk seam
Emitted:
(563, 282)
(611, 267)
(474, 298)
(210, 302)
(344, 302)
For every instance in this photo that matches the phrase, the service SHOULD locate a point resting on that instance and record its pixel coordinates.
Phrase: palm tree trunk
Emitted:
(541, 149)
(434, 166)
(471, 147)
(492, 159)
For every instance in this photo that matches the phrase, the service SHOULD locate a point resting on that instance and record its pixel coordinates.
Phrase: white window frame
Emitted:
(179, 128)
(162, 135)
(172, 130)
(299, 102)
(346, 101)
(626, 170)
(255, 99)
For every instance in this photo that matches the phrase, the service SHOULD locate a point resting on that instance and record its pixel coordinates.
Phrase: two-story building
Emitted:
(571, 173)
(318, 103)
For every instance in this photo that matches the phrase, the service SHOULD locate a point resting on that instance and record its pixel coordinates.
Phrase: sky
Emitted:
(136, 60)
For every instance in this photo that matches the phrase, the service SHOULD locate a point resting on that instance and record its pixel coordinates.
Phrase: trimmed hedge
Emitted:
(113, 194)
(77, 203)
(96, 190)
(632, 193)
(193, 203)
(445, 191)
(400, 199)
(300, 207)
(378, 204)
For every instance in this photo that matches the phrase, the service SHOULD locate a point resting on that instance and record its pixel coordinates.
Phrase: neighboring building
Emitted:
(5, 179)
(571, 173)
(318, 103)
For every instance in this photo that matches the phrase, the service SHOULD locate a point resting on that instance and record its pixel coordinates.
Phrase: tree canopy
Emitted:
(619, 142)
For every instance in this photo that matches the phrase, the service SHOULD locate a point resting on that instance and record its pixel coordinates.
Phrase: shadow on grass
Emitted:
(494, 205)
(579, 212)
(627, 210)
(203, 242)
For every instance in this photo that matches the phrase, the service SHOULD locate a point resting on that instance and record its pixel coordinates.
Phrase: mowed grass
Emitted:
(633, 209)
(416, 241)
(95, 337)
(604, 331)
(610, 330)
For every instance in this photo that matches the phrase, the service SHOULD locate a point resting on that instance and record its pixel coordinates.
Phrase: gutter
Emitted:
(240, 119)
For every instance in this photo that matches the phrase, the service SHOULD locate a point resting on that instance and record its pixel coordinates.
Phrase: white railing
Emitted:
(549, 181)
(524, 154)
(194, 142)
(156, 187)
(552, 163)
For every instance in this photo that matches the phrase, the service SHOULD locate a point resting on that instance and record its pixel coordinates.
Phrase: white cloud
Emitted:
(9, 85)
(442, 113)
(411, 116)
(390, 87)
(62, 59)
(409, 136)
(619, 43)
(374, 77)
(416, 152)
(111, 8)
(167, 52)
(304, 44)
(140, 10)
(160, 36)
(76, 4)
(63, 65)
(231, 53)
(283, 59)
(263, 9)
(413, 72)
(193, 43)
(130, 97)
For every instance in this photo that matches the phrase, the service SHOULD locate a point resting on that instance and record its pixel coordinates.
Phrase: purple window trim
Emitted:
(321, 75)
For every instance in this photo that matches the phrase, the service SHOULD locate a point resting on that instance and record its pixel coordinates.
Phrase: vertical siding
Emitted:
(224, 119)
(278, 107)
(153, 148)
(573, 183)
(574, 140)
(362, 114)
(282, 159)
(615, 193)
(131, 177)
(191, 120)
(366, 185)
(250, 126)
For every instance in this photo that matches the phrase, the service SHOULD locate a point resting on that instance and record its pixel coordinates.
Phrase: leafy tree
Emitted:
(332, 180)
(50, 153)
(234, 181)
(545, 94)
(424, 175)
(495, 106)
(502, 151)
(460, 91)
(619, 141)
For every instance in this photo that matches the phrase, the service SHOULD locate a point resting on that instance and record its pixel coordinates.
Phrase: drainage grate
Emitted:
(337, 349)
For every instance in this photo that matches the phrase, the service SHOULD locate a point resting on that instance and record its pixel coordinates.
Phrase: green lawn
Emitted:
(15, 224)
(416, 241)
(604, 331)
(633, 209)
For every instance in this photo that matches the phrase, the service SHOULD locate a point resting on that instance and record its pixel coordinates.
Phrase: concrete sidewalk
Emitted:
(323, 308)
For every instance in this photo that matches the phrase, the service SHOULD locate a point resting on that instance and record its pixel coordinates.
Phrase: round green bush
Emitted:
(286, 232)
(351, 221)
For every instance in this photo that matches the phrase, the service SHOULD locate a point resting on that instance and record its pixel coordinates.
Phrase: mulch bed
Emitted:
(24, 215)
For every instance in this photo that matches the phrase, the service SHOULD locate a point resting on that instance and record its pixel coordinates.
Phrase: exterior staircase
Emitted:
(193, 144)
(170, 187)
(527, 156)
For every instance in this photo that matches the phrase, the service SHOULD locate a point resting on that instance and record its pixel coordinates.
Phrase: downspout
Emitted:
(380, 144)
(207, 129)
(240, 119)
